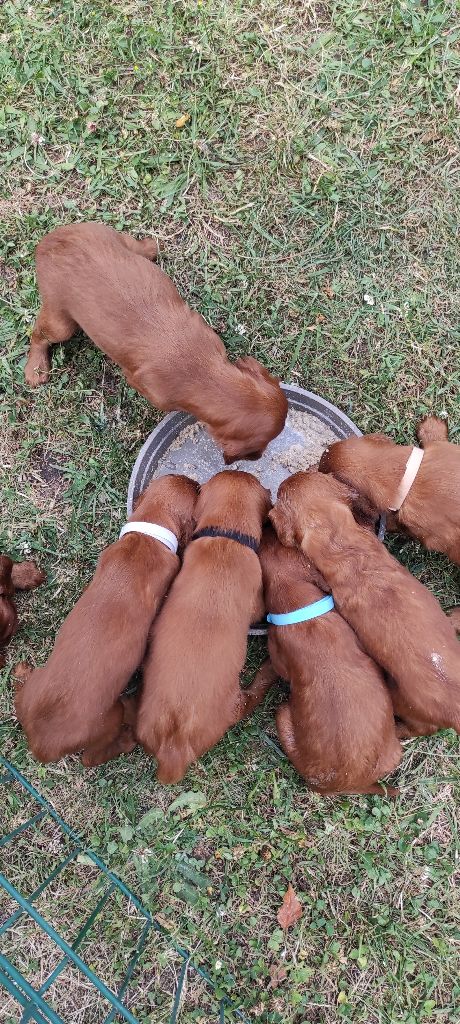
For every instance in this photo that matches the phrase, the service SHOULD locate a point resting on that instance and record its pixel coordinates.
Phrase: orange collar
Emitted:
(412, 467)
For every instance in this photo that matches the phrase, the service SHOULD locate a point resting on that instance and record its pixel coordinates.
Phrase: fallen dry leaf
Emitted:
(182, 120)
(277, 975)
(290, 909)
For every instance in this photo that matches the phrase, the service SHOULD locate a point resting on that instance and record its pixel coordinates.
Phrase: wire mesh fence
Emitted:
(48, 941)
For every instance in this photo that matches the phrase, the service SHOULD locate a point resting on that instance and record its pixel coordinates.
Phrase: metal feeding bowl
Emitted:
(179, 444)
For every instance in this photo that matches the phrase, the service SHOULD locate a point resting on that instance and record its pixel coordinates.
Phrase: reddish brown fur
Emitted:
(337, 727)
(399, 622)
(73, 703)
(191, 690)
(375, 465)
(101, 280)
(14, 576)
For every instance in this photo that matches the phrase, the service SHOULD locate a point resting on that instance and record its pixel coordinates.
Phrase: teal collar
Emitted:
(309, 611)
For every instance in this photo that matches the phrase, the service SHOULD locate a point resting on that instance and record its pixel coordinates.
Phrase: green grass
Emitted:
(319, 164)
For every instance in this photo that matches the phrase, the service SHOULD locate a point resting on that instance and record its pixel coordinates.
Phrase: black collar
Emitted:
(241, 538)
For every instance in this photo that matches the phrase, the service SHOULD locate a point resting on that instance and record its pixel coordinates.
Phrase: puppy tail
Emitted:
(432, 428)
(146, 247)
(149, 248)
(26, 576)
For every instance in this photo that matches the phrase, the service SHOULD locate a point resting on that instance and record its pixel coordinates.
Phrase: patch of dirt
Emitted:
(110, 378)
(26, 199)
(51, 468)
(203, 850)
(46, 477)
(215, 234)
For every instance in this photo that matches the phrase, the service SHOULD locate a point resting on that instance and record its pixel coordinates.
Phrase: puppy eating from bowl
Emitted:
(419, 488)
(75, 703)
(399, 622)
(191, 692)
(337, 727)
(103, 281)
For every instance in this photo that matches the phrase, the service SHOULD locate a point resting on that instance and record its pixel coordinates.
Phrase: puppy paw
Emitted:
(124, 743)
(37, 371)
(127, 741)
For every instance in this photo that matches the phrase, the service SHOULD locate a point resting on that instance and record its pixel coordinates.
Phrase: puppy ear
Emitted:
(282, 525)
(267, 504)
(365, 513)
(199, 504)
(326, 462)
(317, 578)
(344, 492)
(247, 364)
(187, 532)
(274, 517)
(231, 453)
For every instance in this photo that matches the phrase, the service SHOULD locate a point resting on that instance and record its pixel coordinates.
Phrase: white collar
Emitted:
(412, 467)
(160, 533)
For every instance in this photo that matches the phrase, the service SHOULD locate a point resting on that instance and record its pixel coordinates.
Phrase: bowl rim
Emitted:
(332, 415)
(167, 427)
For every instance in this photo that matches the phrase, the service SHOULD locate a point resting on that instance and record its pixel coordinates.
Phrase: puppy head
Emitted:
(350, 457)
(366, 464)
(309, 501)
(171, 498)
(258, 415)
(232, 496)
(432, 428)
(237, 449)
(280, 562)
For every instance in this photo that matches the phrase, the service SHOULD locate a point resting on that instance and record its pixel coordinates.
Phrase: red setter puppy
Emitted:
(101, 280)
(14, 576)
(424, 495)
(337, 727)
(73, 703)
(399, 622)
(191, 682)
